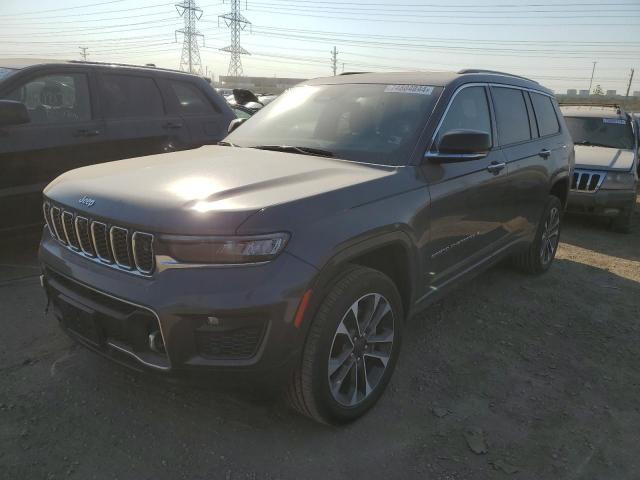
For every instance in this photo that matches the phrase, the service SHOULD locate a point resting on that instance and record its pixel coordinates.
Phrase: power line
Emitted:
(190, 58)
(236, 22)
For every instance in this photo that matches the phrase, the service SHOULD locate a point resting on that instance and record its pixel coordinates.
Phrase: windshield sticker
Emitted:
(418, 89)
(617, 121)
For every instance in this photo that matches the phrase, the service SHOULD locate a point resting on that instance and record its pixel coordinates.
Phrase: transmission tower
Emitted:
(236, 22)
(83, 53)
(190, 59)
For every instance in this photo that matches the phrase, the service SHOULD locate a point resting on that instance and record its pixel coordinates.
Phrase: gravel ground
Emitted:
(509, 377)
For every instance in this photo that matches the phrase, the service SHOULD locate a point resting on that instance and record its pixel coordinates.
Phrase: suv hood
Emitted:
(603, 158)
(211, 190)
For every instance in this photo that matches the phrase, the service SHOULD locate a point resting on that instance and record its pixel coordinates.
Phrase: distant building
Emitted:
(572, 92)
(259, 84)
(611, 93)
(583, 93)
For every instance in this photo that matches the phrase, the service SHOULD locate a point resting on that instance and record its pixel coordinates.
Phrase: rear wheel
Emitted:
(351, 349)
(540, 254)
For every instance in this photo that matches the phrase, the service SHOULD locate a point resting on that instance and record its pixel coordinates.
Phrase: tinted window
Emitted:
(55, 98)
(129, 96)
(373, 123)
(240, 113)
(511, 115)
(191, 98)
(545, 114)
(598, 131)
(468, 111)
(6, 72)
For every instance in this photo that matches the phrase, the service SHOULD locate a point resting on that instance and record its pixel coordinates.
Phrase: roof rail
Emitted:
(586, 104)
(492, 72)
(150, 66)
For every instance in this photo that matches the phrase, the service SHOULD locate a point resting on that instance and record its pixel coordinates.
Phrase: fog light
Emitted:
(155, 342)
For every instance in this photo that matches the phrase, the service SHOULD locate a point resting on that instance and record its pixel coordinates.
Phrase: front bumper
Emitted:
(204, 319)
(606, 203)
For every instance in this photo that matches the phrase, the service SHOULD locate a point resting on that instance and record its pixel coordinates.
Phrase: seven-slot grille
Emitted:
(113, 245)
(586, 180)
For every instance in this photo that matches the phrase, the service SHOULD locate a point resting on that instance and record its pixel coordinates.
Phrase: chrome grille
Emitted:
(586, 180)
(110, 244)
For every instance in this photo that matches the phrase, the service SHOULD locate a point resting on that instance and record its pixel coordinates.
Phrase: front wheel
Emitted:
(540, 254)
(351, 349)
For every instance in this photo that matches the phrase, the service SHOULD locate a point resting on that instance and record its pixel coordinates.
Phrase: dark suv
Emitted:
(302, 243)
(56, 116)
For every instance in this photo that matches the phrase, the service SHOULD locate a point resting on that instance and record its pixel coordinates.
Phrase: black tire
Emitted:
(622, 223)
(310, 389)
(532, 260)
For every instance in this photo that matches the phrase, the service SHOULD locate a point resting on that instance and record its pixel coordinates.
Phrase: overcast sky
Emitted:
(554, 42)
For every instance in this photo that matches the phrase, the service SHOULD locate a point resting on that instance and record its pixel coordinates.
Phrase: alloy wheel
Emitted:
(550, 236)
(361, 349)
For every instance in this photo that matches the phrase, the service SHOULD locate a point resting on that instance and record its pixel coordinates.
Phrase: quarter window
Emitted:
(469, 110)
(545, 114)
(512, 119)
(131, 96)
(191, 98)
(55, 98)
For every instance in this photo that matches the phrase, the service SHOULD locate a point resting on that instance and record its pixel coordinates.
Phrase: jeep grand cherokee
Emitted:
(303, 242)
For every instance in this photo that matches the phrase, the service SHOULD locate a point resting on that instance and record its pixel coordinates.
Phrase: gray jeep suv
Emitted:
(300, 245)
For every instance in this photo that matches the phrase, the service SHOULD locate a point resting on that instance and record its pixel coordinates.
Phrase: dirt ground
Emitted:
(542, 373)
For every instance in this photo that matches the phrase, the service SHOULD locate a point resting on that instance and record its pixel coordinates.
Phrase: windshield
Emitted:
(371, 123)
(605, 132)
(6, 72)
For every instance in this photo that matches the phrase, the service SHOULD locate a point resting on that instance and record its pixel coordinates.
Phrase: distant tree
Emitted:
(598, 90)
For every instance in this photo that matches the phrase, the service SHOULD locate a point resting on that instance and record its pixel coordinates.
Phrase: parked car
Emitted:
(241, 111)
(605, 179)
(298, 247)
(56, 116)
(244, 98)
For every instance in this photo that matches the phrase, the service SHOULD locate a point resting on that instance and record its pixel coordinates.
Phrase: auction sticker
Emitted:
(418, 89)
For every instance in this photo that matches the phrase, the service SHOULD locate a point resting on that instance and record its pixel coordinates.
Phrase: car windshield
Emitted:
(601, 132)
(371, 123)
(6, 72)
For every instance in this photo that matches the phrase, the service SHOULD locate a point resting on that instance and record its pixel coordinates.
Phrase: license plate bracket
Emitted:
(81, 320)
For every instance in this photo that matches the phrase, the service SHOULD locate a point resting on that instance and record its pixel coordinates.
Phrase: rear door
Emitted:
(65, 132)
(136, 117)
(468, 197)
(206, 122)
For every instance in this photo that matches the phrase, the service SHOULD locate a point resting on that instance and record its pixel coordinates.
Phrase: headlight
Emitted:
(225, 250)
(619, 181)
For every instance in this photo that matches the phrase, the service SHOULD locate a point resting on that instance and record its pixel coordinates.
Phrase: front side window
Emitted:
(6, 72)
(512, 118)
(545, 114)
(131, 96)
(469, 110)
(191, 98)
(373, 123)
(56, 98)
(601, 132)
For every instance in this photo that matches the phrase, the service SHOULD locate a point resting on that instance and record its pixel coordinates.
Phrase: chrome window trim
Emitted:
(66, 233)
(135, 257)
(83, 250)
(95, 246)
(113, 250)
(53, 222)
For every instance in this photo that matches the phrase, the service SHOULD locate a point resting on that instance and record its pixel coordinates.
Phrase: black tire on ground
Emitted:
(310, 388)
(622, 223)
(533, 260)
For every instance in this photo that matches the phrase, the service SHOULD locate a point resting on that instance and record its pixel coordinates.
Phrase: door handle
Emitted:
(172, 125)
(545, 153)
(87, 132)
(495, 167)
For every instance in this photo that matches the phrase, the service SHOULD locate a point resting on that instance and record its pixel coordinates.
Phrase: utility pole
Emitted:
(334, 61)
(236, 22)
(630, 80)
(190, 59)
(593, 71)
(83, 53)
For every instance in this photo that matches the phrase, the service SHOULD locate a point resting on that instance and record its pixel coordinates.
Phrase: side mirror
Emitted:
(13, 113)
(461, 145)
(235, 123)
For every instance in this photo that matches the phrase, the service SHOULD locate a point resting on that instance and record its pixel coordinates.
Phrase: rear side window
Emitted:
(469, 110)
(511, 115)
(131, 96)
(191, 98)
(55, 98)
(545, 114)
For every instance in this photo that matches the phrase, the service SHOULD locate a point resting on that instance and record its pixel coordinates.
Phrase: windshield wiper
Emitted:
(593, 144)
(293, 149)
(227, 144)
